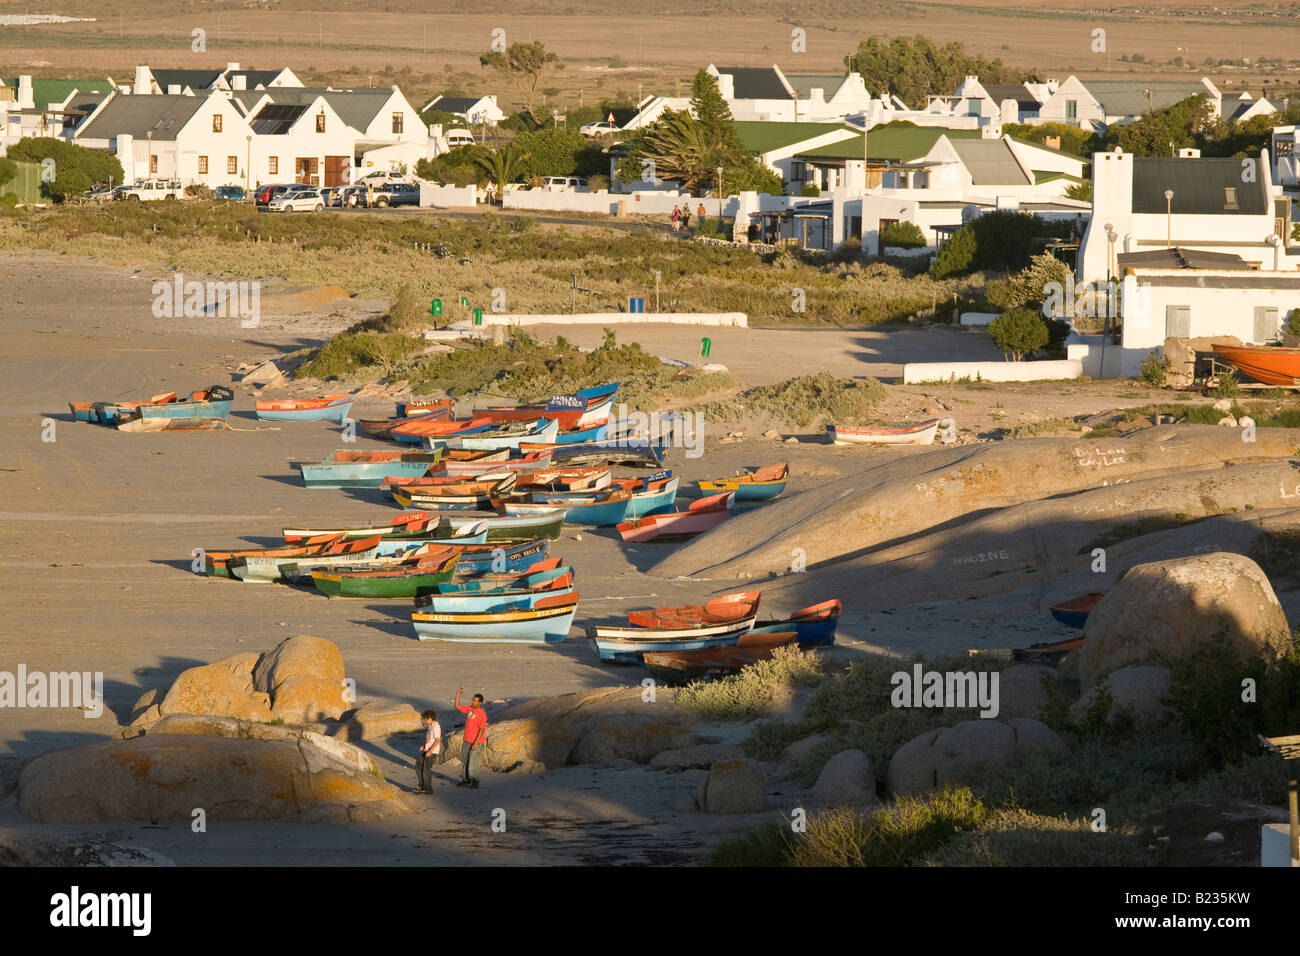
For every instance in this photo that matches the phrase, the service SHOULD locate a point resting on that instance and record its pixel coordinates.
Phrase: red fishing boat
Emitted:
(1267, 364)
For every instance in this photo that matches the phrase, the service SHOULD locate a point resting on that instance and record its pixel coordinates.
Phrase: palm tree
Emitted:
(684, 149)
(501, 164)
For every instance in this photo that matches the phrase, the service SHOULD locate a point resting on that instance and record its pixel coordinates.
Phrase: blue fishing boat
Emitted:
(813, 626)
(546, 622)
(213, 402)
(488, 600)
(531, 579)
(330, 408)
(1074, 613)
(366, 469)
(718, 623)
(541, 431)
(596, 432)
(601, 509)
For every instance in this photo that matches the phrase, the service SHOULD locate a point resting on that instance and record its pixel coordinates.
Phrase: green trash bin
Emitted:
(436, 307)
(705, 344)
(478, 316)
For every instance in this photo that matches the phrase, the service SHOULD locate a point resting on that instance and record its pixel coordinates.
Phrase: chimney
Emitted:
(26, 98)
(143, 81)
(173, 89)
(239, 81)
(232, 67)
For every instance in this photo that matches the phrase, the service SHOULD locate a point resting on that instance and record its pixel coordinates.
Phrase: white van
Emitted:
(565, 184)
(458, 137)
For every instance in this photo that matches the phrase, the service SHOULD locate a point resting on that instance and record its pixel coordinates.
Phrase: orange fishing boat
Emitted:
(1268, 364)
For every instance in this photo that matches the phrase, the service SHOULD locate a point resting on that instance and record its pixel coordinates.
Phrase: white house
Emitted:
(197, 139)
(46, 108)
(475, 110)
(1243, 106)
(304, 142)
(232, 77)
(1286, 162)
(993, 104)
(1222, 206)
(1107, 102)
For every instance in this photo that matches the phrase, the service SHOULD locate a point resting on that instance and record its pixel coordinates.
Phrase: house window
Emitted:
(1230, 197)
(273, 165)
(232, 165)
(798, 172)
(203, 165)
(216, 122)
(320, 122)
(1071, 110)
(153, 163)
(398, 120)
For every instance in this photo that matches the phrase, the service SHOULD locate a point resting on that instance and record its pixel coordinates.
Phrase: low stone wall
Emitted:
(916, 372)
(730, 319)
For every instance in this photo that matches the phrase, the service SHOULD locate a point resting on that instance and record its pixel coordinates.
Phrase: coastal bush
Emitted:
(903, 235)
(1292, 326)
(753, 691)
(769, 738)
(1019, 837)
(1155, 368)
(804, 401)
(1226, 386)
(358, 351)
(1019, 333)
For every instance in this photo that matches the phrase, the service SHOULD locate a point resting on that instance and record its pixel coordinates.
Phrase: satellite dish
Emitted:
(969, 213)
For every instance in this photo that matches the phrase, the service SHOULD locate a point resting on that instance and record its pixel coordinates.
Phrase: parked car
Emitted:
(391, 194)
(351, 196)
(602, 128)
(103, 193)
(231, 193)
(564, 184)
(265, 194)
(297, 200)
(149, 189)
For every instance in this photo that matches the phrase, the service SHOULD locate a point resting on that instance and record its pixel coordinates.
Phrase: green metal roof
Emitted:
(45, 92)
(1051, 175)
(899, 144)
(759, 137)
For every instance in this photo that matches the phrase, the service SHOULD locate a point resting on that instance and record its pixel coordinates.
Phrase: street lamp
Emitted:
(1169, 218)
(149, 145)
(1111, 236)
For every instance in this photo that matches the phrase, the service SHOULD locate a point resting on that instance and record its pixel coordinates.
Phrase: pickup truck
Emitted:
(148, 189)
(392, 194)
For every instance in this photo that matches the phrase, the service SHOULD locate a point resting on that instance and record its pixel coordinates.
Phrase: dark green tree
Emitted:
(525, 66)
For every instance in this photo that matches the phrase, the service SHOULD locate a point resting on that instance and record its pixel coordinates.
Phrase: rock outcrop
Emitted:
(967, 753)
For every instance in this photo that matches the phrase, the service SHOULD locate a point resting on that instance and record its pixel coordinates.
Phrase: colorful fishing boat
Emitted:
(547, 621)
(415, 430)
(105, 413)
(466, 495)
(597, 431)
(471, 464)
(597, 509)
(328, 408)
(411, 524)
(427, 573)
(367, 469)
(133, 422)
(717, 623)
(479, 557)
(682, 667)
(763, 484)
(263, 569)
(1271, 365)
(211, 402)
(592, 478)
(1074, 613)
(650, 495)
(582, 409)
(813, 626)
(488, 599)
(417, 407)
(502, 435)
(511, 527)
(919, 434)
(217, 563)
(703, 514)
(535, 575)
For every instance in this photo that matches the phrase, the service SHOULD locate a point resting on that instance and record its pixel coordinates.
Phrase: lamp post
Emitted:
(1110, 248)
(1169, 218)
(148, 137)
(248, 163)
(719, 197)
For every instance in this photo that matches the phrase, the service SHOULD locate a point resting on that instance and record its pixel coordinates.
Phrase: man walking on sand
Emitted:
(471, 750)
(429, 750)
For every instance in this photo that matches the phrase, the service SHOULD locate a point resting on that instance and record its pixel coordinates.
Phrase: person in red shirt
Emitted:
(471, 749)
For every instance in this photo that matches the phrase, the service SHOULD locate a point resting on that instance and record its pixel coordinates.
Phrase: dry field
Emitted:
(607, 52)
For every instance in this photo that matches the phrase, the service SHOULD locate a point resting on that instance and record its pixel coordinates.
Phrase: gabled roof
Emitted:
(804, 85)
(1201, 187)
(454, 104)
(161, 115)
(357, 108)
(761, 137)
(990, 162)
(45, 92)
(1129, 98)
(276, 119)
(897, 144)
(252, 78)
(195, 79)
(1025, 100)
(756, 82)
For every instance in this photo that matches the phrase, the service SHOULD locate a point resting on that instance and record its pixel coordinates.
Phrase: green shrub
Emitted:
(1155, 367)
(811, 190)
(1292, 326)
(804, 401)
(1019, 333)
(8, 170)
(353, 352)
(904, 235)
(769, 845)
(956, 256)
(1226, 387)
(769, 738)
(199, 191)
(1018, 837)
(76, 168)
(897, 835)
(709, 226)
(751, 692)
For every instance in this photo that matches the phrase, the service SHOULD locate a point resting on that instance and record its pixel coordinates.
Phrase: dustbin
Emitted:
(636, 305)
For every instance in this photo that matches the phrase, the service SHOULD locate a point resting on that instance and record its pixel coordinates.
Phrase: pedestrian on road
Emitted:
(430, 750)
(701, 214)
(471, 749)
(686, 217)
(677, 218)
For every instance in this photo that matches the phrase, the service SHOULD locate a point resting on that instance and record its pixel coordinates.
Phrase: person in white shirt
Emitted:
(429, 751)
